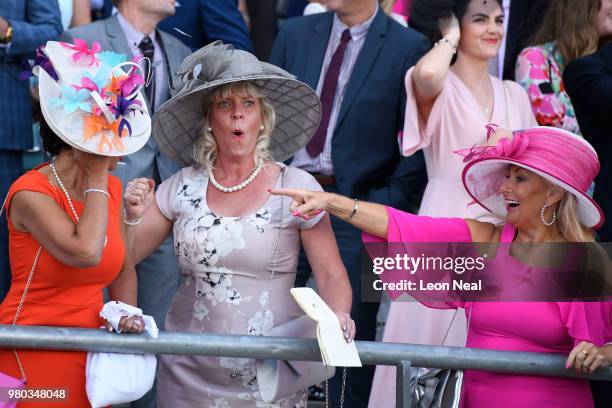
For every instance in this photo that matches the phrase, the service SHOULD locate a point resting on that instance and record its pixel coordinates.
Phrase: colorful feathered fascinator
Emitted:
(91, 98)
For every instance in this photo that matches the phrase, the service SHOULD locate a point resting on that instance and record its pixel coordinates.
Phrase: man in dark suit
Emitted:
(24, 25)
(588, 81)
(524, 19)
(356, 57)
(133, 32)
(200, 22)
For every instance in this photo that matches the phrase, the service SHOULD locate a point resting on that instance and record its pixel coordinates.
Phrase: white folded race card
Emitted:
(115, 310)
(334, 348)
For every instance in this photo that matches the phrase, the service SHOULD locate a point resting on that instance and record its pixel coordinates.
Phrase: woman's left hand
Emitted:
(586, 358)
(133, 324)
(347, 325)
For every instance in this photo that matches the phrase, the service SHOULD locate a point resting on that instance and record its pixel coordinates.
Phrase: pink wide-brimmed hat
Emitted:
(559, 156)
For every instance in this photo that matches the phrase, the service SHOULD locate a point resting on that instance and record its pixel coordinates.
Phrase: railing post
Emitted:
(403, 398)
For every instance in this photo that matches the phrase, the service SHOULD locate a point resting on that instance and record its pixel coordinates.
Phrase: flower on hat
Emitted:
(130, 82)
(40, 60)
(92, 125)
(82, 51)
(73, 99)
(121, 108)
(506, 147)
(94, 84)
(111, 59)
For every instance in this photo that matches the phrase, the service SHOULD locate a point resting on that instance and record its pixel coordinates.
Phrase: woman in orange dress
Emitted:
(66, 217)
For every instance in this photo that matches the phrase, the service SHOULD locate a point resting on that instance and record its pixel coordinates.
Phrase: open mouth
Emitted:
(512, 204)
(238, 133)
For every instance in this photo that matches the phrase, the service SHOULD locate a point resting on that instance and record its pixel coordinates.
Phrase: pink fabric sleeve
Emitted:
(588, 321)
(408, 228)
(418, 133)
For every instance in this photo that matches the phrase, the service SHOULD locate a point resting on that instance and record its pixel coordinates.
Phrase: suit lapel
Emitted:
(172, 57)
(316, 49)
(116, 37)
(373, 42)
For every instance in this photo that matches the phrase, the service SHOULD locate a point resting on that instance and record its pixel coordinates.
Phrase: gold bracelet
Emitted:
(355, 208)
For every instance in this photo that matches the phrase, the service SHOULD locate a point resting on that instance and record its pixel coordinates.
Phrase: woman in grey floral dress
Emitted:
(237, 245)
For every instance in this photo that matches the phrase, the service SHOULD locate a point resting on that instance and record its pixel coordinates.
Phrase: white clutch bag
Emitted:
(114, 378)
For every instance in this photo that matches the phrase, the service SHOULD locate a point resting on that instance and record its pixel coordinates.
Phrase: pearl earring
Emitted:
(209, 129)
(552, 221)
(262, 127)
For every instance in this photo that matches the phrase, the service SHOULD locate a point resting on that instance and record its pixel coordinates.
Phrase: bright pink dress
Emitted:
(543, 327)
(456, 122)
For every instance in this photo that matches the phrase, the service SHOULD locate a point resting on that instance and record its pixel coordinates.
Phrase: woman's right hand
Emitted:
(305, 204)
(450, 29)
(93, 165)
(138, 196)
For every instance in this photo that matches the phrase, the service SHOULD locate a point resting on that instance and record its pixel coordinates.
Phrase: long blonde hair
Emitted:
(205, 149)
(568, 223)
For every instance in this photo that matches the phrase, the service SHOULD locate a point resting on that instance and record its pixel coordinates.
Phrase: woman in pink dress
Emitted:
(450, 99)
(537, 181)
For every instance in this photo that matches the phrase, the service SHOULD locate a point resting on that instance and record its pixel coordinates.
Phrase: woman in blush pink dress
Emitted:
(537, 181)
(447, 109)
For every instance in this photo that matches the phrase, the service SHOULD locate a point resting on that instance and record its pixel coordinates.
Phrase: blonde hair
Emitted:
(568, 222)
(205, 148)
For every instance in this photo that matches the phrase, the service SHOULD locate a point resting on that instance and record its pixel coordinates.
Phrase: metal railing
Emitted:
(403, 356)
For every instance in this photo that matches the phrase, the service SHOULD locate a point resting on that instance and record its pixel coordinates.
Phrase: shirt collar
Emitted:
(132, 34)
(358, 31)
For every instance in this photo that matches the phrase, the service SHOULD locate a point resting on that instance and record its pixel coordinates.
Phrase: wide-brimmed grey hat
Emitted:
(176, 124)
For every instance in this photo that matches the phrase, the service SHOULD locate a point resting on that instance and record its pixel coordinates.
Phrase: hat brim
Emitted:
(69, 127)
(176, 124)
(483, 177)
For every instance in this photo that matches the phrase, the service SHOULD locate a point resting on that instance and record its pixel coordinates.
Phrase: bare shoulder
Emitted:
(483, 231)
(31, 205)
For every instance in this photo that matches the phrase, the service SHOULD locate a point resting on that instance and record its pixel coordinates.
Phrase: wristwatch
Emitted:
(8, 34)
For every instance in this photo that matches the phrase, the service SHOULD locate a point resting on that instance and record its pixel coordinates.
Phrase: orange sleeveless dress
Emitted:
(59, 295)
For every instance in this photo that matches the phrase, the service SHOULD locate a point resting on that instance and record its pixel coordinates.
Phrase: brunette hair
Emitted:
(52, 144)
(426, 14)
(571, 24)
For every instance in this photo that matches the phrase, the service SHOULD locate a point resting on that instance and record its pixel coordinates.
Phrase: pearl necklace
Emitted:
(237, 187)
(59, 182)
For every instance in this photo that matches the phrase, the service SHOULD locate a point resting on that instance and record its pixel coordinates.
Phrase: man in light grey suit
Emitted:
(133, 32)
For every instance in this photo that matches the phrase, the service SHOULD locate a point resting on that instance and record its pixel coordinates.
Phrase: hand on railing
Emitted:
(587, 357)
(132, 324)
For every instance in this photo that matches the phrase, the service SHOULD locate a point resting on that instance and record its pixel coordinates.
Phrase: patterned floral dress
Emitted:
(539, 70)
(228, 287)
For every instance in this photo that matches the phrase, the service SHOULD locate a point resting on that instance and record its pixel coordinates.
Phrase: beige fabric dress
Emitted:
(226, 265)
